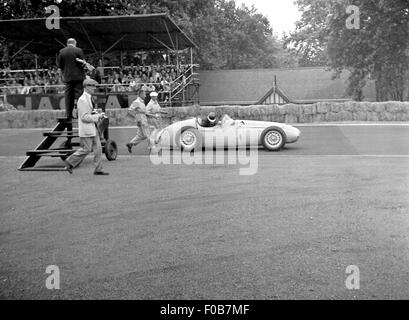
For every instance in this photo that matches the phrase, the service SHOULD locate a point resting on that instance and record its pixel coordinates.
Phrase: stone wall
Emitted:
(291, 113)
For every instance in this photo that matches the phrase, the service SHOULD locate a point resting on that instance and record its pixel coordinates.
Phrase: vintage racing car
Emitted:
(190, 135)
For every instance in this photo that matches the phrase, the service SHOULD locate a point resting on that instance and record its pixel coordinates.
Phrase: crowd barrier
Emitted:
(57, 101)
(290, 113)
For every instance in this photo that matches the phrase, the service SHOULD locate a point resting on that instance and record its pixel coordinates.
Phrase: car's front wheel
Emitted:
(189, 139)
(273, 139)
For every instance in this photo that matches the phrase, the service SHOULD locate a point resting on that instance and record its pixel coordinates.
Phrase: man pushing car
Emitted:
(139, 112)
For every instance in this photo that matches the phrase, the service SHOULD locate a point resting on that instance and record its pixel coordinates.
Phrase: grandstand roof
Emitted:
(98, 34)
(300, 85)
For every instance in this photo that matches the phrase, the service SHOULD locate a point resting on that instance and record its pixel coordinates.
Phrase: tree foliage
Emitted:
(228, 36)
(379, 49)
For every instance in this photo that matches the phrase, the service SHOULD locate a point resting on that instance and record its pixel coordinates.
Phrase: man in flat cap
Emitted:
(88, 132)
(73, 73)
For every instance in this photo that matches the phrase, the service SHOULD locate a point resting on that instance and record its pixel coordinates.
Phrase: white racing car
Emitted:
(190, 135)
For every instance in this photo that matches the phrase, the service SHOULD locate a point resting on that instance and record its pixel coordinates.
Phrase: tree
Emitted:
(379, 48)
(16, 9)
(228, 36)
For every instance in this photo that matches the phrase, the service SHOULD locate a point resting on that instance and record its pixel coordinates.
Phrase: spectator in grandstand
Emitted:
(60, 88)
(26, 85)
(165, 88)
(117, 81)
(52, 83)
(12, 87)
(153, 77)
(144, 87)
(138, 79)
(46, 84)
(36, 88)
(73, 72)
(172, 73)
(17, 85)
(110, 79)
(156, 76)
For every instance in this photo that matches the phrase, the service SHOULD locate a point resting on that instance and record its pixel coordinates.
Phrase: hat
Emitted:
(212, 115)
(153, 94)
(89, 82)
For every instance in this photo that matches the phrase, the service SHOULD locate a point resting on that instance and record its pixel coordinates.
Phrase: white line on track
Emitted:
(370, 124)
(275, 156)
(327, 124)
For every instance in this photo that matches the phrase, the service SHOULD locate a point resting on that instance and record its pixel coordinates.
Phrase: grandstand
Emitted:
(152, 36)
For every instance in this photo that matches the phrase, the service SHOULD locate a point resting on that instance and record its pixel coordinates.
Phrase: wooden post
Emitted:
(191, 60)
(177, 58)
(274, 89)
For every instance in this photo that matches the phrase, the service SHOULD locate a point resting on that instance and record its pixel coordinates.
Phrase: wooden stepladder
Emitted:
(63, 129)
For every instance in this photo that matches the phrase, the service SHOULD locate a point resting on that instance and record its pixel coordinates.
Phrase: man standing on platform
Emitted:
(73, 73)
(88, 132)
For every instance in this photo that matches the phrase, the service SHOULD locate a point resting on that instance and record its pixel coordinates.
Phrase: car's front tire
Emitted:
(273, 139)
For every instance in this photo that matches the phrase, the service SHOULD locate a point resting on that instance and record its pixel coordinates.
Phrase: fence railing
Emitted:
(103, 86)
(167, 91)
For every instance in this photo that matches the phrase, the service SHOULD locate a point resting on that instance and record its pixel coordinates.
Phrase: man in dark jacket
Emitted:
(73, 73)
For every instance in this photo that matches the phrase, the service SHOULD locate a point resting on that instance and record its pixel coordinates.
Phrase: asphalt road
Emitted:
(331, 139)
(338, 197)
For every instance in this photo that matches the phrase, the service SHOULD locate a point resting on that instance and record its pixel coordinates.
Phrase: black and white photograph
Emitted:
(211, 152)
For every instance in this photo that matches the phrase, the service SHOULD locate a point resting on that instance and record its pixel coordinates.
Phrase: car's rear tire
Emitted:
(273, 139)
(111, 150)
(189, 139)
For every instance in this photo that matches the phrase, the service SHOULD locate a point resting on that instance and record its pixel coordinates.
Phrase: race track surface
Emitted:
(338, 197)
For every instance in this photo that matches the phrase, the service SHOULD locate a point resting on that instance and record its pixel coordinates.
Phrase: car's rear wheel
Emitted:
(189, 139)
(110, 150)
(273, 139)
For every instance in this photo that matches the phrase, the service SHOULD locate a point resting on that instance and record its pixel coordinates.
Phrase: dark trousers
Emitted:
(73, 90)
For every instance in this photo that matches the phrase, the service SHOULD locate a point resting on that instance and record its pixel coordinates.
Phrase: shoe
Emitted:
(129, 146)
(68, 166)
(101, 173)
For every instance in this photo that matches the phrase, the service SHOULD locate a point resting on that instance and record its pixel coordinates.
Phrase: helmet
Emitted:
(211, 117)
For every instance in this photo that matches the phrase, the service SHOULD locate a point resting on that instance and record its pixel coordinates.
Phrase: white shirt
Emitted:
(153, 106)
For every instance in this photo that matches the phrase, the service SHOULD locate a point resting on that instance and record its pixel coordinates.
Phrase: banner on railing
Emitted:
(57, 101)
